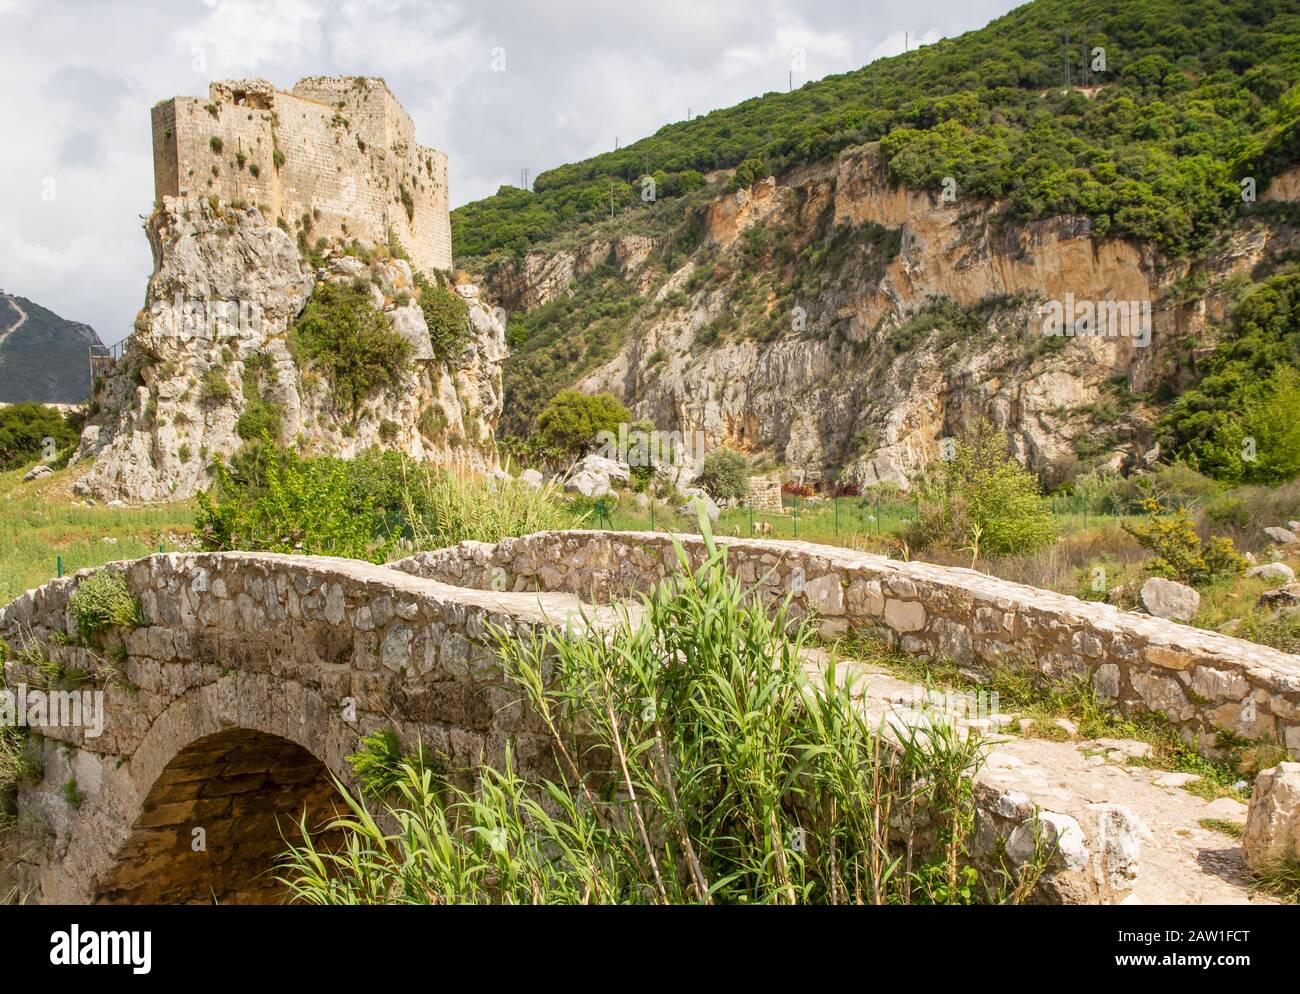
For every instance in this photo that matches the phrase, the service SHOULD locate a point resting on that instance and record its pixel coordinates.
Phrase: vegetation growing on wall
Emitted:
(447, 317)
(342, 334)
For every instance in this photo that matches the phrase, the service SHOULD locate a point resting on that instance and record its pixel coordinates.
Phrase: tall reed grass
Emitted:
(695, 761)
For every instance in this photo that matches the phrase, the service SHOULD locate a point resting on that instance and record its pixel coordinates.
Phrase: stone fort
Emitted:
(334, 158)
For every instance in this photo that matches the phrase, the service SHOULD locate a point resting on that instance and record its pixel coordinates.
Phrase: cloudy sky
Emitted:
(79, 77)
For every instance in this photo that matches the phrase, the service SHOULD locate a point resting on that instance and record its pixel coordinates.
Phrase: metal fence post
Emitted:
(58, 565)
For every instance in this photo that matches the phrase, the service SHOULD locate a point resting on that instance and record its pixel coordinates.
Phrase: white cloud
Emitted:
(80, 78)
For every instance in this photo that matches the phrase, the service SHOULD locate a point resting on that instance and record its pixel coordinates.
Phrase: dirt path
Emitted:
(22, 319)
(1181, 862)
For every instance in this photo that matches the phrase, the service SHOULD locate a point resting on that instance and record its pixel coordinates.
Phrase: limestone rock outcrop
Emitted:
(865, 321)
(1272, 834)
(596, 476)
(213, 341)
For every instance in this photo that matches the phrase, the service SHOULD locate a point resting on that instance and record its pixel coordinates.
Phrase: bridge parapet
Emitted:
(1203, 682)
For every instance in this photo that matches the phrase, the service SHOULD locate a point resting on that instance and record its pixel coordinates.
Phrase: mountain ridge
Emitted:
(44, 358)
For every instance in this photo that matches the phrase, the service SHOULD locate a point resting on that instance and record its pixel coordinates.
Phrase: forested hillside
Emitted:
(1198, 93)
(1172, 152)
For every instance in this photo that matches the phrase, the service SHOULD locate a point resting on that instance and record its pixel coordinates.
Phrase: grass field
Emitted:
(42, 527)
(45, 529)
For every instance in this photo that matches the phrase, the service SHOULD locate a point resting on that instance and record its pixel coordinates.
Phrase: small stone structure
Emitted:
(1200, 680)
(335, 157)
(764, 493)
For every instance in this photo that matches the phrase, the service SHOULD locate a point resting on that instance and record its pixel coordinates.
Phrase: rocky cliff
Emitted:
(211, 362)
(842, 324)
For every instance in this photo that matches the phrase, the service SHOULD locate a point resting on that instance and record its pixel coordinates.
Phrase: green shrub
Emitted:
(306, 505)
(23, 430)
(341, 333)
(725, 475)
(983, 500)
(279, 501)
(260, 418)
(72, 793)
(1179, 552)
(433, 422)
(215, 388)
(569, 423)
(447, 317)
(102, 601)
(377, 764)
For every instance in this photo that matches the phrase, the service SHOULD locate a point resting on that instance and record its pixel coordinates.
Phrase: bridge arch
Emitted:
(253, 680)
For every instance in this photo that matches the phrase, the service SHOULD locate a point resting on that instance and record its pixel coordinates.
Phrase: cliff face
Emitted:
(212, 343)
(844, 325)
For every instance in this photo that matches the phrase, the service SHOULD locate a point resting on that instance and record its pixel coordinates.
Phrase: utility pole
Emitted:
(523, 179)
(906, 41)
(790, 85)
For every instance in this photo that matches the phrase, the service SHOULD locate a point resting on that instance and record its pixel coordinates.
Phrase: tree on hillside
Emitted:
(567, 426)
(982, 499)
(725, 475)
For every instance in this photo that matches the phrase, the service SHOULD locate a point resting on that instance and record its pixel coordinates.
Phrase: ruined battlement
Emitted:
(335, 158)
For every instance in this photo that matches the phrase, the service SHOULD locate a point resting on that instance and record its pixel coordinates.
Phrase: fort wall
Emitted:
(335, 158)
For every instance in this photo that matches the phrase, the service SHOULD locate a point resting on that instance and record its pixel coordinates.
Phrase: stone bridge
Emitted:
(255, 675)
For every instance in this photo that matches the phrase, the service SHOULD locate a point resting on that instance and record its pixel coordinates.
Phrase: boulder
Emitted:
(1282, 536)
(531, 478)
(36, 472)
(409, 322)
(1294, 526)
(696, 498)
(596, 476)
(347, 265)
(1272, 832)
(1287, 596)
(1163, 598)
(1273, 571)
